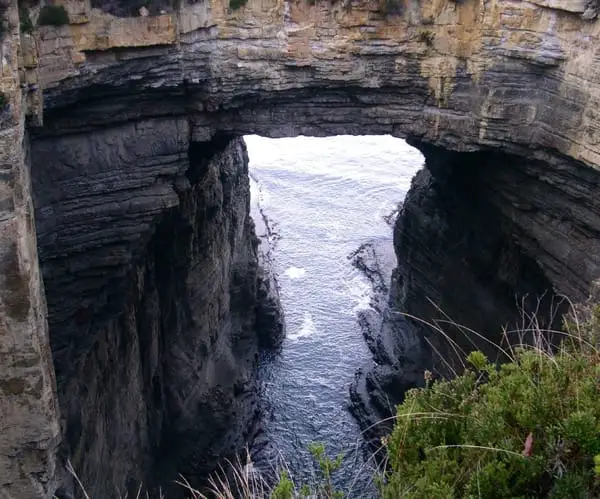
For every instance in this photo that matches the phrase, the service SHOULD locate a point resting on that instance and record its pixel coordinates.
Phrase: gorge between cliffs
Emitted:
(137, 302)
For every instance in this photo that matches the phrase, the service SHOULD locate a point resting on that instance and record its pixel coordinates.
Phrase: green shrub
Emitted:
(236, 4)
(53, 15)
(284, 489)
(3, 25)
(25, 20)
(427, 37)
(322, 487)
(327, 468)
(528, 428)
(3, 101)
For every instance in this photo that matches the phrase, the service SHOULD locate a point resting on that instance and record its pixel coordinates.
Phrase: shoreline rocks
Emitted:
(397, 351)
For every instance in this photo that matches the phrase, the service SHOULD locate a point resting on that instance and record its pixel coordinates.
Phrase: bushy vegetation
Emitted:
(527, 428)
(53, 15)
(322, 488)
(237, 4)
(26, 24)
(3, 101)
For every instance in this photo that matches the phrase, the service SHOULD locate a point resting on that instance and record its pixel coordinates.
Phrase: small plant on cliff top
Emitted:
(327, 468)
(25, 20)
(427, 37)
(526, 428)
(284, 488)
(53, 15)
(236, 4)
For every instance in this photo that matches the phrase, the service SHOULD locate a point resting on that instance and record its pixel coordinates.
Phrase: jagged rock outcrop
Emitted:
(502, 97)
(397, 346)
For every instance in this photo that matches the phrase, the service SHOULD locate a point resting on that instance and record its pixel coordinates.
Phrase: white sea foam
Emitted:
(360, 290)
(307, 328)
(295, 272)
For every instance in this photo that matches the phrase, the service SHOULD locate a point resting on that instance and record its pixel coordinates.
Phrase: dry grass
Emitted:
(233, 480)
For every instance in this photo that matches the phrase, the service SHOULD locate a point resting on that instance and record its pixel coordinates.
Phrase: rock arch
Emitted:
(137, 148)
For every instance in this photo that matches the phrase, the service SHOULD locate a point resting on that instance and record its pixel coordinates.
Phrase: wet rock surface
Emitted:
(398, 353)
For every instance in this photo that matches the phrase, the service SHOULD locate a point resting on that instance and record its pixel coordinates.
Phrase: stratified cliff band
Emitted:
(149, 260)
(140, 188)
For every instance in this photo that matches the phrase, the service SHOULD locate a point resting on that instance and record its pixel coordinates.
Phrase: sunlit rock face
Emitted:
(141, 199)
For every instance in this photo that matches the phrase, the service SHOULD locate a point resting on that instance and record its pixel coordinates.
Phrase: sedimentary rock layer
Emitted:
(29, 426)
(150, 267)
(508, 232)
(136, 111)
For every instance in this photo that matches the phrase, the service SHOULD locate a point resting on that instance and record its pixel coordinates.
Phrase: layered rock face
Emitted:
(509, 232)
(29, 426)
(149, 262)
(141, 198)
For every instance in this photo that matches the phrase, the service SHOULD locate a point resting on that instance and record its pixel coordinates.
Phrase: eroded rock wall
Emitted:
(149, 259)
(29, 420)
(490, 241)
(485, 242)
(143, 290)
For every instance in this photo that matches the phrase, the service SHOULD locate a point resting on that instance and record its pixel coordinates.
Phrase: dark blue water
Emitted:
(323, 197)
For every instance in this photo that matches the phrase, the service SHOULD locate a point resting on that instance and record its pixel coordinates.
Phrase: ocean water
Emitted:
(322, 198)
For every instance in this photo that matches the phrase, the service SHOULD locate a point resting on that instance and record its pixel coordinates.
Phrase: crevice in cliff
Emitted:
(200, 154)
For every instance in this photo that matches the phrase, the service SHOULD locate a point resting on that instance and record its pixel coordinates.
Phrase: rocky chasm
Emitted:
(131, 299)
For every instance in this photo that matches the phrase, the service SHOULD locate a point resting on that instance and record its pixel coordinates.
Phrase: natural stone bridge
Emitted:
(133, 164)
